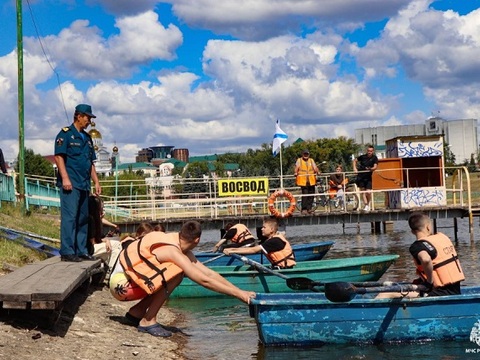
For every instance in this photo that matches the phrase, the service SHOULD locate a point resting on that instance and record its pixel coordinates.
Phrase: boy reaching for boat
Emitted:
(152, 266)
(276, 248)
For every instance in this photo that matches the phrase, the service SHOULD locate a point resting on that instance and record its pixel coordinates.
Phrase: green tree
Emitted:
(195, 171)
(449, 158)
(36, 164)
(129, 184)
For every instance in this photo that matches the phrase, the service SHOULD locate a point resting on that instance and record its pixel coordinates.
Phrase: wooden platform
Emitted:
(44, 284)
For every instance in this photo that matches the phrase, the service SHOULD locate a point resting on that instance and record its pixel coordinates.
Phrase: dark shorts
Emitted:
(452, 289)
(364, 181)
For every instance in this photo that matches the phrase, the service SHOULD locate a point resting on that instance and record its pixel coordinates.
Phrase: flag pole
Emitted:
(278, 139)
(281, 168)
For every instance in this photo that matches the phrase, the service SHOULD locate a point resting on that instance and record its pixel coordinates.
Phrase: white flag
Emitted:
(278, 139)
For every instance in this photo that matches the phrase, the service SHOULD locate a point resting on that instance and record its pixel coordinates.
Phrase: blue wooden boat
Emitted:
(364, 268)
(303, 252)
(30, 240)
(307, 319)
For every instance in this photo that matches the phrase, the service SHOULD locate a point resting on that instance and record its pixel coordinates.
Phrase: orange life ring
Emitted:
(271, 204)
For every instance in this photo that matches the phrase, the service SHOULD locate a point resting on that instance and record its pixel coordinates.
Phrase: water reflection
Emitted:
(222, 329)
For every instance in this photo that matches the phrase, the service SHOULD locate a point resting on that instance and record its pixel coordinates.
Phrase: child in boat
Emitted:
(236, 235)
(435, 258)
(276, 248)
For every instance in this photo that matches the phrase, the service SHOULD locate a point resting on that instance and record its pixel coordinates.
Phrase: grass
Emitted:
(13, 253)
(37, 222)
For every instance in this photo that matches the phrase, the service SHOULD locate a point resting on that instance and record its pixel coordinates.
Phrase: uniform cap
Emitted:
(84, 109)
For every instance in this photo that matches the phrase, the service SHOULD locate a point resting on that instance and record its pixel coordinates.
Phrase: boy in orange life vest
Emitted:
(435, 258)
(276, 248)
(238, 235)
(171, 257)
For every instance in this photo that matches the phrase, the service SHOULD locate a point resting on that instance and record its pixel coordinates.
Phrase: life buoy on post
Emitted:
(271, 204)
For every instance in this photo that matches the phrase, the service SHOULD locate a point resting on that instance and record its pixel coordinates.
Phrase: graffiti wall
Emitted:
(417, 197)
(414, 149)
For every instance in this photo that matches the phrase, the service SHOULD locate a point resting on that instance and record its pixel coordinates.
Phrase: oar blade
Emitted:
(344, 292)
(302, 283)
(340, 291)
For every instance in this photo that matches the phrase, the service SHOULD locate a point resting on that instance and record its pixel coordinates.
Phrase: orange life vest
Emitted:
(143, 267)
(446, 267)
(284, 258)
(306, 172)
(242, 234)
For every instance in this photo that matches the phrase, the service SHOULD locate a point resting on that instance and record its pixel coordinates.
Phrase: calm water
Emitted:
(222, 329)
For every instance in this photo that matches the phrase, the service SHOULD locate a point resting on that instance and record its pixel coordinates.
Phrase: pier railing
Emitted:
(164, 202)
(166, 198)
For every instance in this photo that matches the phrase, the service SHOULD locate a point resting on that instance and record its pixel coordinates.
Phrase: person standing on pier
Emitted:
(306, 172)
(364, 166)
(74, 157)
(276, 248)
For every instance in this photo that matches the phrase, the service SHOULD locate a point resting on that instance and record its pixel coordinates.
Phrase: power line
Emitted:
(46, 58)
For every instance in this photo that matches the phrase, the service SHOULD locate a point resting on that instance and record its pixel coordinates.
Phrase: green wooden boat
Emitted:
(355, 269)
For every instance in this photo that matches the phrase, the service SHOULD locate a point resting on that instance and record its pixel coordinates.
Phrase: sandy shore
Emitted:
(90, 326)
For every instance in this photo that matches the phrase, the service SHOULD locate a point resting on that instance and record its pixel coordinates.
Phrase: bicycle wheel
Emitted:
(351, 202)
(322, 200)
(314, 203)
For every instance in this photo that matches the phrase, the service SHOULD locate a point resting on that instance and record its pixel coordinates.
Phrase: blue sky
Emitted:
(213, 76)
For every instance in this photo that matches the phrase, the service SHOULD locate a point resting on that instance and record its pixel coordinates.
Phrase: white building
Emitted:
(103, 164)
(460, 135)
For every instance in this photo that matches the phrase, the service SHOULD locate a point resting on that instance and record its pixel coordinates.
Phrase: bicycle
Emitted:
(352, 200)
(320, 198)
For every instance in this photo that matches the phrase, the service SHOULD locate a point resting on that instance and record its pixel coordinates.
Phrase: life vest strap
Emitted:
(445, 262)
(147, 280)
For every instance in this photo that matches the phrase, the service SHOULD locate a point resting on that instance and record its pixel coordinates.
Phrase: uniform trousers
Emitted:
(74, 222)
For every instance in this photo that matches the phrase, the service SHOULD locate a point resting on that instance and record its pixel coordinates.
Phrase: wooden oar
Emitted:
(303, 283)
(259, 267)
(344, 291)
(221, 255)
(214, 258)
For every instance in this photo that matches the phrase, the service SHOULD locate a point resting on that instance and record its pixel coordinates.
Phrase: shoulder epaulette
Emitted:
(66, 128)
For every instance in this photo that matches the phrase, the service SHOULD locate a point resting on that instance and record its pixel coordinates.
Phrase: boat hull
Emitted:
(311, 320)
(365, 268)
(303, 252)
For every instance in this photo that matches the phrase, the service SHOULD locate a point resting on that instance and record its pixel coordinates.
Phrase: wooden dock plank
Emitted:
(43, 284)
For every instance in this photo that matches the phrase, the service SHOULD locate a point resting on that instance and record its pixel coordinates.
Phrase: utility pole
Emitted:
(21, 135)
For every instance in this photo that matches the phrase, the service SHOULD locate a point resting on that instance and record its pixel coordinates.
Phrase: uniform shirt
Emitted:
(79, 155)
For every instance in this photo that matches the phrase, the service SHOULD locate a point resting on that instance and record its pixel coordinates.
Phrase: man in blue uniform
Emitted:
(75, 156)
